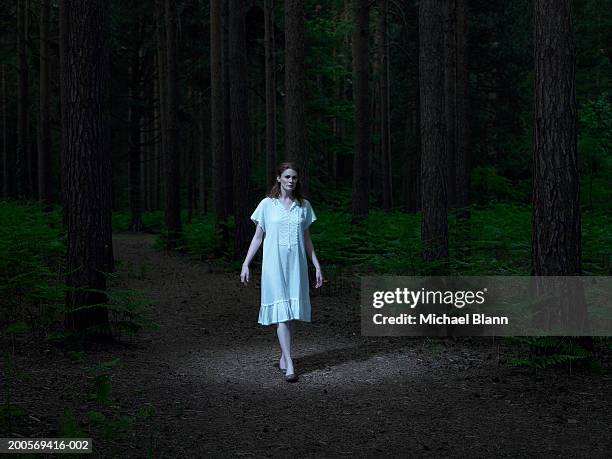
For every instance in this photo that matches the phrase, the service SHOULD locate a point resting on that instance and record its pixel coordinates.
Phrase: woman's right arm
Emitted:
(253, 248)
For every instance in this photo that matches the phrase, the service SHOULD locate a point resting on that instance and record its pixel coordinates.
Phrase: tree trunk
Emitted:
(85, 82)
(462, 163)
(217, 114)
(135, 115)
(361, 98)
(240, 126)
(6, 177)
(23, 143)
(270, 92)
(204, 156)
(163, 95)
(556, 225)
(450, 92)
(44, 131)
(295, 128)
(227, 123)
(556, 212)
(434, 224)
(173, 202)
(385, 133)
(158, 134)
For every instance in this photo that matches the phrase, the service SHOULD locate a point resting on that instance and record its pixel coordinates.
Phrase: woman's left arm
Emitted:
(311, 253)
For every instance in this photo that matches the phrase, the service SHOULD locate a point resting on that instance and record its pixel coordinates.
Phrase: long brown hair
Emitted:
(275, 191)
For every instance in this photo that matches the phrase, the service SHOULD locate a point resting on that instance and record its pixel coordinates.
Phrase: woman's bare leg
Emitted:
(281, 363)
(283, 330)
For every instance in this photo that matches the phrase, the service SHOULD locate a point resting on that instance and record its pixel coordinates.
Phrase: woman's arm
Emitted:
(253, 248)
(311, 253)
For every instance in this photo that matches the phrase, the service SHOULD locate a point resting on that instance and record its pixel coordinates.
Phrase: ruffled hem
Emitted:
(283, 310)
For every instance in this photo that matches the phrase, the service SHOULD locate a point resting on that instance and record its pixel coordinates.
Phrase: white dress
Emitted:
(284, 271)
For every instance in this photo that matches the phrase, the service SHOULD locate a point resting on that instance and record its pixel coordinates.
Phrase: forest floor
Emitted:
(209, 371)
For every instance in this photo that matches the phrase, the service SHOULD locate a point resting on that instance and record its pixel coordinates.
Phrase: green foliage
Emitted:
(31, 251)
(498, 240)
(113, 424)
(199, 236)
(595, 150)
(488, 186)
(70, 426)
(550, 351)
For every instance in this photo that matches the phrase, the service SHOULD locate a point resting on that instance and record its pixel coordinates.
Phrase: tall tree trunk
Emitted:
(204, 156)
(434, 224)
(270, 46)
(217, 114)
(375, 161)
(146, 128)
(6, 177)
(158, 133)
(556, 240)
(240, 126)
(295, 127)
(361, 98)
(44, 131)
(385, 133)
(228, 169)
(163, 96)
(85, 82)
(556, 225)
(450, 93)
(135, 115)
(23, 103)
(173, 202)
(462, 163)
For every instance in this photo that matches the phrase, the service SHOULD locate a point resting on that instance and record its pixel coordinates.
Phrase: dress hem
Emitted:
(283, 311)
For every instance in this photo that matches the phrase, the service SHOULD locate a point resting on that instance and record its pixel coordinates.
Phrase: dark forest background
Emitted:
(434, 137)
(413, 125)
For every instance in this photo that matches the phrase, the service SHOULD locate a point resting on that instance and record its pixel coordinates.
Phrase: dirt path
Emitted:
(209, 373)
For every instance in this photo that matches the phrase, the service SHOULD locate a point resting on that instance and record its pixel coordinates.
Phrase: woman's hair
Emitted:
(297, 191)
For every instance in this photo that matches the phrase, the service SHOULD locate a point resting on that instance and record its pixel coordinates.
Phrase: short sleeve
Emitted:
(310, 215)
(258, 216)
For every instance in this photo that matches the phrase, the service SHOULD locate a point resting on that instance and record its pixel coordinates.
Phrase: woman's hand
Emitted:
(245, 275)
(319, 277)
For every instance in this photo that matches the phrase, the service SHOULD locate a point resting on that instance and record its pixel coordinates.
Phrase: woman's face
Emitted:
(288, 180)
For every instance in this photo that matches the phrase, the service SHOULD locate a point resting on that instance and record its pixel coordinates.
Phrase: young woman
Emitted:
(284, 216)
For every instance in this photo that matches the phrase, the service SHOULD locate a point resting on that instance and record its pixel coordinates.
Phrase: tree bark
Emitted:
(23, 103)
(217, 113)
(204, 156)
(240, 126)
(556, 225)
(228, 169)
(385, 133)
(162, 89)
(434, 224)
(295, 127)
(6, 177)
(361, 99)
(85, 82)
(173, 202)
(462, 163)
(135, 116)
(556, 242)
(270, 46)
(158, 133)
(450, 93)
(44, 130)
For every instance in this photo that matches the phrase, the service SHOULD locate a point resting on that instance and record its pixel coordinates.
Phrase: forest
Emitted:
(433, 138)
